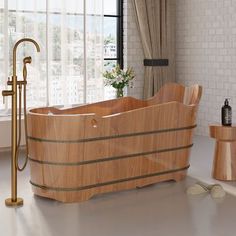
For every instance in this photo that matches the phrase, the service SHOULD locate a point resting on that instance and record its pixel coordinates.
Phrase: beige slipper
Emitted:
(197, 188)
(217, 191)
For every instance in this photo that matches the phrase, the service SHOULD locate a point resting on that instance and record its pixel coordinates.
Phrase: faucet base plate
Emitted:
(17, 203)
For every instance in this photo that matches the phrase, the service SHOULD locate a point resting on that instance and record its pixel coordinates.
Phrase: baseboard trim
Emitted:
(8, 149)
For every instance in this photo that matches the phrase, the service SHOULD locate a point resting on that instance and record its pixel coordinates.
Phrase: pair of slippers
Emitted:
(215, 190)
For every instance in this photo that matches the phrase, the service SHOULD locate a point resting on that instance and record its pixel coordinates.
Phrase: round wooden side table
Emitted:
(224, 166)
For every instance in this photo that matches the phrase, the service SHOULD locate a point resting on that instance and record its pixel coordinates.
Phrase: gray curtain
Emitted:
(156, 24)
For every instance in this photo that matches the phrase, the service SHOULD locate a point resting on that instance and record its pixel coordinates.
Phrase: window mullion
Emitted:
(120, 33)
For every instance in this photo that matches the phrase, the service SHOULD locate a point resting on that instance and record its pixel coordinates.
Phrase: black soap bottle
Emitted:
(226, 114)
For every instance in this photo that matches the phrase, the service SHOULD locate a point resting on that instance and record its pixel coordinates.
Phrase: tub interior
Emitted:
(104, 108)
(168, 93)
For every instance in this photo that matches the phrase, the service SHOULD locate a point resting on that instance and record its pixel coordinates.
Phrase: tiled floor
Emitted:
(162, 209)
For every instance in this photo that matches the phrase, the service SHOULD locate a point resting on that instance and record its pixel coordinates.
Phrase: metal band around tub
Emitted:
(112, 136)
(109, 158)
(61, 189)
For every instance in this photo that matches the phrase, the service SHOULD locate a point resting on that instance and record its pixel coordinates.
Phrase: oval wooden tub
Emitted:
(112, 145)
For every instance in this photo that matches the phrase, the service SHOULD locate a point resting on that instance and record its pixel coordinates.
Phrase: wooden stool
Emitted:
(224, 166)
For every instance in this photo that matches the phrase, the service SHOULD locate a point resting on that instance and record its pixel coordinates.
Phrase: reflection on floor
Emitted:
(161, 209)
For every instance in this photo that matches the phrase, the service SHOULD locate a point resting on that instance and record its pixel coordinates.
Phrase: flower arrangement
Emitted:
(119, 78)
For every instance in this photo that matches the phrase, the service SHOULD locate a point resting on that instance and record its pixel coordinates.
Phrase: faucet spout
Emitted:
(15, 49)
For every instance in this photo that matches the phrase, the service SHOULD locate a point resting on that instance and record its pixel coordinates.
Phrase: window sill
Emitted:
(5, 118)
(8, 117)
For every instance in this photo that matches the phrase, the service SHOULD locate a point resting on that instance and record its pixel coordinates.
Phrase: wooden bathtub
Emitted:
(112, 145)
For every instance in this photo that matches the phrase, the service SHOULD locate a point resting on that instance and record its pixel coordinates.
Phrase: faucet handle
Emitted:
(7, 93)
(4, 94)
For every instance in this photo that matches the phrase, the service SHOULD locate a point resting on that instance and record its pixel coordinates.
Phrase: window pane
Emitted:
(66, 76)
(71, 6)
(2, 74)
(23, 5)
(94, 7)
(94, 39)
(65, 44)
(2, 83)
(110, 7)
(31, 25)
(110, 37)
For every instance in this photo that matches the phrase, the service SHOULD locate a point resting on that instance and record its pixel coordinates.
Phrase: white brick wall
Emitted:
(206, 54)
(133, 52)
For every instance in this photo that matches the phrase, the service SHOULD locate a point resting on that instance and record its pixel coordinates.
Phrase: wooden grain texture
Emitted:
(224, 165)
(112, 145)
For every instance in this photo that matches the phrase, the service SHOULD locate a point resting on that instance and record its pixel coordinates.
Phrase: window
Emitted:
(78, 38)
(113, 37)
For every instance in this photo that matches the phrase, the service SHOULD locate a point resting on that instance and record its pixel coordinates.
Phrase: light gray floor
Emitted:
(162, 209)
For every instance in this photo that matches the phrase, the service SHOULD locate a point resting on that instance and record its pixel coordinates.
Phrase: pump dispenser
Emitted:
(226, 114)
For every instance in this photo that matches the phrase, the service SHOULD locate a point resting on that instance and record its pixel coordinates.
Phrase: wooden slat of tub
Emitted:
(80, 152)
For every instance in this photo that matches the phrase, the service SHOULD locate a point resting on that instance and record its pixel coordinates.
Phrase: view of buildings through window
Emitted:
(76, 46)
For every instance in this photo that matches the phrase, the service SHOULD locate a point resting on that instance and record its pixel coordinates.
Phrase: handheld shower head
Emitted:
(26, 60)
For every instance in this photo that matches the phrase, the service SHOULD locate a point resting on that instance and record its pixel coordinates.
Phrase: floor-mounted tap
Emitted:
(14, 201)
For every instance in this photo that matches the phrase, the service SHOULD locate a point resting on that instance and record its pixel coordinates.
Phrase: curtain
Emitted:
(68, 70)
(156, 24)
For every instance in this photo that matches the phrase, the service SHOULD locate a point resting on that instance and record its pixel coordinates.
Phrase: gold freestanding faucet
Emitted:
(14, 200)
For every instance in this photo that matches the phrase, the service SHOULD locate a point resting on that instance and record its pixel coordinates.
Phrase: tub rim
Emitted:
(31, 112)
